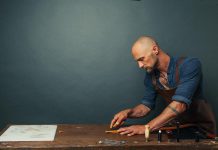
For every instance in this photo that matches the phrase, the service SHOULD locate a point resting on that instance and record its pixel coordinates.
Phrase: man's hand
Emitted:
(132, 130)
(119, 118)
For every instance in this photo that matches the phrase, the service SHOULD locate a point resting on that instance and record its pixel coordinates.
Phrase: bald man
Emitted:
(179, 81)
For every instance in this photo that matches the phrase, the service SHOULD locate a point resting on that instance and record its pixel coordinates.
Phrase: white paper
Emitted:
(29, 133)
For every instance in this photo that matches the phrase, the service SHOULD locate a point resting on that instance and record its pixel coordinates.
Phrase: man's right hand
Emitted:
(120, 117)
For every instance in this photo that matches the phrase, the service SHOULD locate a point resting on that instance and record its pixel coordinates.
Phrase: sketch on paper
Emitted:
(29, 133)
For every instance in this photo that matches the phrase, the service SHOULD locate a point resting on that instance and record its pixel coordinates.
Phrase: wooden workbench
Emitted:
(94, 137)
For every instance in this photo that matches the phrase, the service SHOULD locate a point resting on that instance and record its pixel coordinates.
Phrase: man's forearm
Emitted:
(138, 111)
(170, 112)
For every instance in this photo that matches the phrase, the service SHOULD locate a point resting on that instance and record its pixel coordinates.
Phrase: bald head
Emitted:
(145, 51)
(144, 44)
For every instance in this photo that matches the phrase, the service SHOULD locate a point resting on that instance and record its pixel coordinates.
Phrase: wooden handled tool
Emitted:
(112, 131)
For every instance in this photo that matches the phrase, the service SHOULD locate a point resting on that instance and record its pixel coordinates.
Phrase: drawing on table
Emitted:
(29, 133)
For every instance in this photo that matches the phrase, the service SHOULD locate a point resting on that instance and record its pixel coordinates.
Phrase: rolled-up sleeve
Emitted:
(149, 93)
(190, 75)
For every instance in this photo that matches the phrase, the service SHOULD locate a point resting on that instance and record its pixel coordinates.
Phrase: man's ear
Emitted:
(155, 50)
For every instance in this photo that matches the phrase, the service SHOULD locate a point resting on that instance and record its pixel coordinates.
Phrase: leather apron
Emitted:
(198, 113)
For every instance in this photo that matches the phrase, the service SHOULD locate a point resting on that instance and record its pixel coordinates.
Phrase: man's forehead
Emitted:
(139, 55)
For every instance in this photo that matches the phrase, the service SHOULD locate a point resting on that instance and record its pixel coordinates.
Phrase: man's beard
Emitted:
(151, 69)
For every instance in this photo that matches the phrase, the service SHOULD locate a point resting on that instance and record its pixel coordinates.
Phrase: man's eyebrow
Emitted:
(140, 59)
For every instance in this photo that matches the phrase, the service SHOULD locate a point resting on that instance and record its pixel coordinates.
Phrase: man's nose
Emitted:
(140, 64)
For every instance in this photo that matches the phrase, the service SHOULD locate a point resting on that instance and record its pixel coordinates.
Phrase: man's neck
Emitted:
(163, 62)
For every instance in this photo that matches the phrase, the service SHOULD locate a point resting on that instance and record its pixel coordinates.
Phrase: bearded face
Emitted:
(148, 62)
(151, 64)
(146, 54)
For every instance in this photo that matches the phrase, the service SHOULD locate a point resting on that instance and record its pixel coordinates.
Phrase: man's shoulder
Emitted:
(184, 62)
(190, 62)
(190, 65)
(186, 59)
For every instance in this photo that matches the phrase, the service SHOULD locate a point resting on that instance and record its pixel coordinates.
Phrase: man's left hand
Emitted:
(132, 130)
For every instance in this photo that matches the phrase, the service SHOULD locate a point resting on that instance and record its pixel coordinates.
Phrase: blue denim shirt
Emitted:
(189, 87)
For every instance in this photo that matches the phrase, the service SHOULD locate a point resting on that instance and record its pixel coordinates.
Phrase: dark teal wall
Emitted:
(69, 61)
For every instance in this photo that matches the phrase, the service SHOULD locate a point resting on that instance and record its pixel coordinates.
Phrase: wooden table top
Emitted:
(89, 136)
